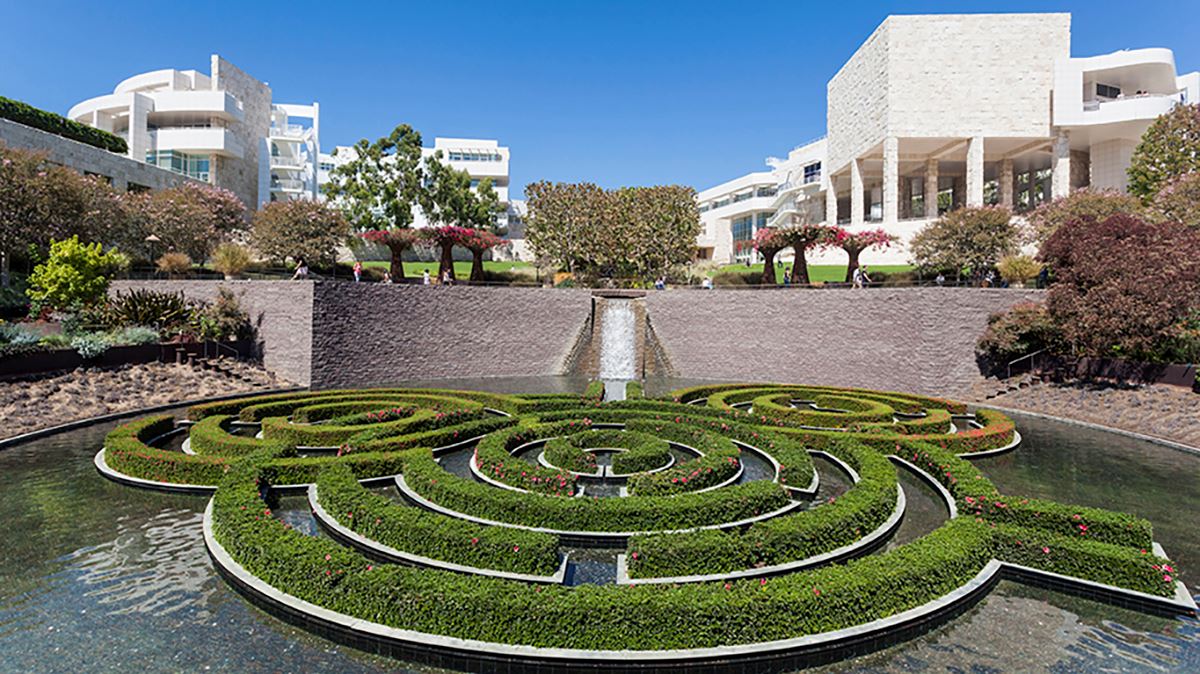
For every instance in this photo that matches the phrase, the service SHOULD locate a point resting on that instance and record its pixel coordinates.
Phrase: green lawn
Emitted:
(462, 269)
(816, 272)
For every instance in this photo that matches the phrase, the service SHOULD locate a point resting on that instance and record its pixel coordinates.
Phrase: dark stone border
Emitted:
(90, 421)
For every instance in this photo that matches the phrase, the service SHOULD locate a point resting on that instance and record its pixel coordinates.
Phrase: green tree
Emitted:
(563, 220)
(974, 237)
(1086, 203)
(648, 230)
(1169, 149)
(378, 188)
(449, 200)
(74, 275)
(303, 228)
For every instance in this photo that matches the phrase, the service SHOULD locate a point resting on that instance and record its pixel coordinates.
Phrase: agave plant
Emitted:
(149, 307)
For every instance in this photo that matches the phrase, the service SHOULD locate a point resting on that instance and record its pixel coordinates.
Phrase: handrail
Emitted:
(1008, 374)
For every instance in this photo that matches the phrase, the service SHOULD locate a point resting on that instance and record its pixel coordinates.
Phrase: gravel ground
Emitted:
(1167, 412)
(87, 392)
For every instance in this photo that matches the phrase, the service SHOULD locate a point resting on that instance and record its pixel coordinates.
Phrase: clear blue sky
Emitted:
(618, 93)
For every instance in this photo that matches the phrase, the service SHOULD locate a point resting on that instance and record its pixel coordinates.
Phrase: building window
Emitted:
(1107, 91)
(766, 191)
(763, 218)
(812, 173)
(742, 197)
(720, 202)
(704, 207)
(743, 228)
(191, 165)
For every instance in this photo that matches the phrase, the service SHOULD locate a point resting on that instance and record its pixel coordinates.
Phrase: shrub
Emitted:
(136, 335)
(1179, 200)
(1125, 288)
(1085, 204)
(91, 345)
(74, 275)
(28, 115)
(967, 237)
(224, 319)
(190, 219)
(126, 451)
(1017, 269)
(1169, 149)
(230, 259)
(734, 278)
(1020, 331)
(174, 264)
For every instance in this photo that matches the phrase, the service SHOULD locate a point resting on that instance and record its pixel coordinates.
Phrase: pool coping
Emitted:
(1173, 444)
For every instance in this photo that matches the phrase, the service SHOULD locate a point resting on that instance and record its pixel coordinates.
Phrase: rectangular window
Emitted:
(766, 191)
(704, 207)
(721, 202)
(812, 173)
(1107, 91)
(743, 228)
(763, 218)
(193, 165)
(742, 197)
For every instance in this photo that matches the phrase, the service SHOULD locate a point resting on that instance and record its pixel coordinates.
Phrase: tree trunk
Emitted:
(768, 275)
(396, 269)
(799, 267)
(477, 266)
(4, 275)
(447, 261)
(853, 264)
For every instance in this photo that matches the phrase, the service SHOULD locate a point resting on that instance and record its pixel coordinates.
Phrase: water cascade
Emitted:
(618, 347)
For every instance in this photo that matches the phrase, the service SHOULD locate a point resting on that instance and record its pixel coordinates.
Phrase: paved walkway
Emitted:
(1167, 412)
(29, 405)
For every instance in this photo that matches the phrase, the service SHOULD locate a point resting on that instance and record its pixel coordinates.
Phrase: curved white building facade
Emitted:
(221, 128)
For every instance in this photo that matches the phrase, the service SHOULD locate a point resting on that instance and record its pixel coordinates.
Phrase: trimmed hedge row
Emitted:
(427, 534)
(634, 513)
(354, 412)
(210, 437)
(332, 435)
(901, 402)
(439, 434)
(841, 521)
(507, 403)
(998, 431)
(26, 114)
(493, 457)
(126, 451)
(634, 390)
(317, 570)
(775, 404)
(594, 390)
(719, 460)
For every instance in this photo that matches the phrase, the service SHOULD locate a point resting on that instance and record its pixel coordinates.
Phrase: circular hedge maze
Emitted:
(473, 529)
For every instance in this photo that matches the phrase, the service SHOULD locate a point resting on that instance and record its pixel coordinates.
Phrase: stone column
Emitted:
(856, 193)
(831, 205)
(931, 187)
(957, 198)
(1006, 184)
(905, 187)
(1060, 165)
(139, 133)
(891, 179)
(975, 171)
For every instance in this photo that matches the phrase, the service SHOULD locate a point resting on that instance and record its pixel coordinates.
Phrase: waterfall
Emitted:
(618, 350)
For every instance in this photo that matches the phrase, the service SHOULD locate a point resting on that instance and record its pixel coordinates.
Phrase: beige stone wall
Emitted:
(241, 176)
(963, 75)
(120, 170)
(856, 102)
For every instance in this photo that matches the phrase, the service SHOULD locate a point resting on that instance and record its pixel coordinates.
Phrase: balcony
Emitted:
(287, 162)
(288, 131)
(197, 140)
(284, 185)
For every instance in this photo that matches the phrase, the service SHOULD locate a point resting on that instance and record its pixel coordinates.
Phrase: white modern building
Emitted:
(481, 159)
(221, 128)
(941, 111)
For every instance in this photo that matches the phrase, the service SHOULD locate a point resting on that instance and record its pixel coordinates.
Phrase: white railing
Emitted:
(1095, 103)
(287, 130)
(287, 184)
(280, 160)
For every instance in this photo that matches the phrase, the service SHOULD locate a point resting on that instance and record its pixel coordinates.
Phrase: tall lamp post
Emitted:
(151, 242)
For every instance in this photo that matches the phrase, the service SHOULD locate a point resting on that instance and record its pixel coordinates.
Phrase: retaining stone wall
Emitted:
(919, 340)
(372, 334)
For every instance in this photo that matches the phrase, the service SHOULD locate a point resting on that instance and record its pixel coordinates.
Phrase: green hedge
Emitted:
(317, 570)
(642, 451)
(420, 532)
(634, 513)
(494, 458)
(634, 390)
(126, 451)
(26, 114)
(439, 434)
(841, 521)
(594, 390)
(354, 412)
(901, 402)
(210, 437)
(719, 462)
(332, 435)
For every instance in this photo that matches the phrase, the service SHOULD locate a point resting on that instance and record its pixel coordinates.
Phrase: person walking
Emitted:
(357, 271)
(425, 278)
(446, 278)
(387, 277)
(301, 270)
(860, 277)
(941, 279)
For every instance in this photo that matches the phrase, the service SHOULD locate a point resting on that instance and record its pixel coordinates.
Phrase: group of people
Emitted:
(303, 273)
